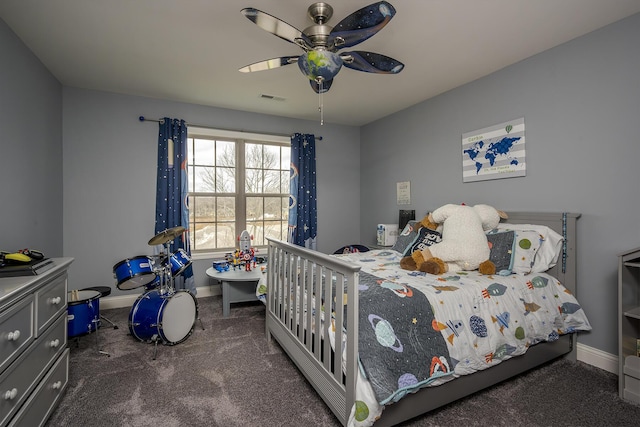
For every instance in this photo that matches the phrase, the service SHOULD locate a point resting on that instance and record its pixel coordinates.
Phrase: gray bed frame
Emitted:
(291, 280)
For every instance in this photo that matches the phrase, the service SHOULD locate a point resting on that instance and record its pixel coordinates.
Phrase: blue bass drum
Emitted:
(83, 314)
(169, 317)
(134, 273)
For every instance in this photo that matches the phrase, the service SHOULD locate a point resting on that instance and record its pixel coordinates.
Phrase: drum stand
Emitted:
(163, 271)
(97, 323)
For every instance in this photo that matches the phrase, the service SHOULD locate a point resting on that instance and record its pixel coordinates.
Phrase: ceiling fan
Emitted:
(321, 61)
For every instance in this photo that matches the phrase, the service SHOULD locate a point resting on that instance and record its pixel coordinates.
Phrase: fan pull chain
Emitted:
(320, 104)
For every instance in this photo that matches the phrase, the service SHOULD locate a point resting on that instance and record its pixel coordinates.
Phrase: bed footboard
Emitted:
(305, 288)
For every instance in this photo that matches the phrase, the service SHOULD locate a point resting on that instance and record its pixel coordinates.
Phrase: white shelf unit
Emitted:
(629, 325)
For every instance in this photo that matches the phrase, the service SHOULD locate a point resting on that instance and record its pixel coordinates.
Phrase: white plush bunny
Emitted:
(464, 242)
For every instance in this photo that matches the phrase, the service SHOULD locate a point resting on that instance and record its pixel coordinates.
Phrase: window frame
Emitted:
(241, 139)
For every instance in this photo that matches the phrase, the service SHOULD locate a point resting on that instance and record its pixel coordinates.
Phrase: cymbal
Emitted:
(166, 235)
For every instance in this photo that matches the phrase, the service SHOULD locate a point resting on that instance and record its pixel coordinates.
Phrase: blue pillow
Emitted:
(501, 249)
(425, 237)
(406, 237)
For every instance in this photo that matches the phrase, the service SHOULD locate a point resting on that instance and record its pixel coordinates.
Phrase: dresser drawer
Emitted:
(42, 402)
(16, 331)
(21, 377)
(51, 300)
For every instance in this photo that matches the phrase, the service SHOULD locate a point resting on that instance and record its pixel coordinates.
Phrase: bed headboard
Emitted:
(565, 225)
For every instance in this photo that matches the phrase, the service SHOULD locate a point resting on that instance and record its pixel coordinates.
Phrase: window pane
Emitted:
(203, 236)
(273, 229)
(285, 209)
(256, 230)
(225, 180)
(253, 181)
(226, 209)
(204, 152)
(253, 155)
(204, 180)
(272, 157)
(272, 182)
(254, 208)
(191, 201)
(286, 158)
(204, 208)
(226, 153)
(190, 151)
(272, 208)
(285, 178)
(190, 179)
(226, 236)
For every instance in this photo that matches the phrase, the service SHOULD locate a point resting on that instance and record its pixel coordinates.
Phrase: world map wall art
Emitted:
(494, 152)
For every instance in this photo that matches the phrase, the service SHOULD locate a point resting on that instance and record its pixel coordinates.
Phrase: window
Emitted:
(237, 181)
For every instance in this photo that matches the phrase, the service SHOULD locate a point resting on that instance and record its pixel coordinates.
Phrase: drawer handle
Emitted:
(54, 343)
(13, 336)
(57, 385)
(55, 301)
(10, 394)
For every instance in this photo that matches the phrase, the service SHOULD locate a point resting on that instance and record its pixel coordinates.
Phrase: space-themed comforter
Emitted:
(417, 330)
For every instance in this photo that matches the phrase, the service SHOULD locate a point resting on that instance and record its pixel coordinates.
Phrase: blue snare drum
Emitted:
(169, 317)
(179, 261)
(83, 314)
(133, 273)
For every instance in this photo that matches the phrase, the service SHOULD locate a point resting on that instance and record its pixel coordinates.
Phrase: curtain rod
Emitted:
(144, 119)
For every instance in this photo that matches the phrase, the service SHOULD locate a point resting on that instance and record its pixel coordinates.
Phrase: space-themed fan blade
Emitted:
(361, 25)
(269, 64)
(371, 62)
(318, 88)
(277, 27)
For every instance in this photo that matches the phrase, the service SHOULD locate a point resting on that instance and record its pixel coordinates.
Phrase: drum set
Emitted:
(161, 313)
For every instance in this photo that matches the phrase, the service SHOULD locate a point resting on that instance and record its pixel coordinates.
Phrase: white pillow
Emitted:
(541, 255)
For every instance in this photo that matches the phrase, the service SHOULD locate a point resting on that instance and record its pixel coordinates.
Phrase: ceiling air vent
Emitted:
(271, 97)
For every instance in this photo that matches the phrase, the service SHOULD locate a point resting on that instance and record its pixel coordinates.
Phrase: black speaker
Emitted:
(405, 217)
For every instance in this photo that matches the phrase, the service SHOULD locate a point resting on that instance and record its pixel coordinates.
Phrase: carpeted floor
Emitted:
(228, 375)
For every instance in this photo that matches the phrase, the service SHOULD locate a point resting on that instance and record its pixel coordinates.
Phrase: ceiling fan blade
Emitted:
(371, 62)
(269, 64)
(277, 27)
(361, 25)
(326, 85)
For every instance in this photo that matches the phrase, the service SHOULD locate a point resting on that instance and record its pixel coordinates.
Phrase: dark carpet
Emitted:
(228, 375)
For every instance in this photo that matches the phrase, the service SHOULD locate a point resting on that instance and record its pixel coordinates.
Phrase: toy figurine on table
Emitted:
(244, 255)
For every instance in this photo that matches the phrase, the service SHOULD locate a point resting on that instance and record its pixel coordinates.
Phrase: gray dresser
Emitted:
(34, 359)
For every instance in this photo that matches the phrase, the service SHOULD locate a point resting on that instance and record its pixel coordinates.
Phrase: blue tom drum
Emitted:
(134, 273)
(179, 261)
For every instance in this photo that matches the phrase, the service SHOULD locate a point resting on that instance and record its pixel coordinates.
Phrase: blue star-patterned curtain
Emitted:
(172, 191)
(303, 214)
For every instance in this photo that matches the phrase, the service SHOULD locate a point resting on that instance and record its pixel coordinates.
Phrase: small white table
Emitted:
(237, 286)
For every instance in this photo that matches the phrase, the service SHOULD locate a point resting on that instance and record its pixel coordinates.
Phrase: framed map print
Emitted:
(494, 152)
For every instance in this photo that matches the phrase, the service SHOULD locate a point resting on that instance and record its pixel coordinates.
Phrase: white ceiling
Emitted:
(191, 50)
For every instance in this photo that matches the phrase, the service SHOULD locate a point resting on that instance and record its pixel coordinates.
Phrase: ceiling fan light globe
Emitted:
(320, 65)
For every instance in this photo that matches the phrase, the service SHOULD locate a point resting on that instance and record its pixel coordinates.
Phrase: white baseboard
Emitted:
(128, 300)
(598, 358)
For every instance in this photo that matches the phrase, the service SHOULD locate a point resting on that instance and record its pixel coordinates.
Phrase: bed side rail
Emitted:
(308, 293)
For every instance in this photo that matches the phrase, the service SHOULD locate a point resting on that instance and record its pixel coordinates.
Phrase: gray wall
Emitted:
(581, 104)
(31, 151)
(110, 175)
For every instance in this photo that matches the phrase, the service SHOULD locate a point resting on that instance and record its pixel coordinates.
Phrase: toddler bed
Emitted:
(369, 336)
